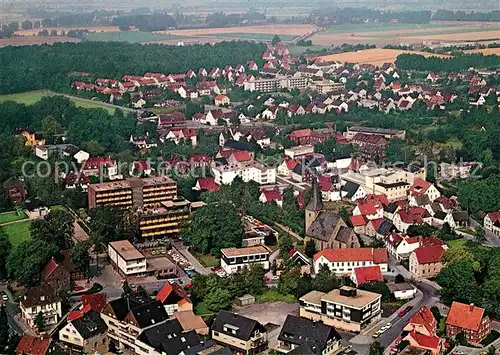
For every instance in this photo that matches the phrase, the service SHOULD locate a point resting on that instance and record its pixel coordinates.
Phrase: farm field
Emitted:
(11, 217)
(128, 36)
(382, 34)
(28, 40)
(487, 51)
(31, 97)
(254, 36)
(279, 29)
(376, 56)
(17, 232)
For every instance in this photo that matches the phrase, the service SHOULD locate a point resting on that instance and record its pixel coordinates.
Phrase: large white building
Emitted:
(126, 258)
(236, 259)
(247, 171)
(343, 261)
(276, 84)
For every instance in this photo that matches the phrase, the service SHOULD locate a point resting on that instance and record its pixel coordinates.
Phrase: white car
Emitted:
(5, 297)
(388, 325)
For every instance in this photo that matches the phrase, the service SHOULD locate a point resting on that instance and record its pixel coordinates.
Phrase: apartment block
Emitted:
(132, 192)
(277, 83)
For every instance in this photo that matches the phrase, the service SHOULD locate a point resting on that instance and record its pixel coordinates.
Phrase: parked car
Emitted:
(405, 311)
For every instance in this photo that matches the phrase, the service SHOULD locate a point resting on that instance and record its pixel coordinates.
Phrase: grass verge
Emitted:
(207, 260)
(17, 232)
(457, 243)
(275, 296)
(11, 217)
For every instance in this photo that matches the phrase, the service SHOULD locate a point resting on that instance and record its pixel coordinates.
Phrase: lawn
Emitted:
(58, 208)
(11, 217)
(273, 295)
(17, 232)
(201, 309)
(207, 260)
(128, 36)
(457, 243)
(32, 97)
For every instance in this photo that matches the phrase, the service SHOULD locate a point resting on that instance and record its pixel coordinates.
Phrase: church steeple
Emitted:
(315, 202)
(314, 206)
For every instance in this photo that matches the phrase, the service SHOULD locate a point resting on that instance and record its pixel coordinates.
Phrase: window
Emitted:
(216, 334)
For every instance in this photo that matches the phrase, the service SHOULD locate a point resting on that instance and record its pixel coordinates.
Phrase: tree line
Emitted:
(349, 15)
(37, 67)
(147, 23)
(449, 64)
(448, 15)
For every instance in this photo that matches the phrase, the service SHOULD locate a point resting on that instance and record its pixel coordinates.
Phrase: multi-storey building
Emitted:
(241, 334)
(326, 86)
(468, 319)
(85, 334)
(248, 171)
(41, 299)
(276, 84)
(346, 308)
(426, 262)
(235, 259)
(132, 192)
(126, 258)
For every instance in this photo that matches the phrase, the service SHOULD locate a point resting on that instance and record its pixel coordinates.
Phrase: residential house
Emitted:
(422, 322)
(410, 215)
(173, 297)
(35, 345)
(267, 195)
(422, 187)
(15, 189)
(344, 261)
(141, 142)
(206, 184)
(364, 274)
(426, 262)
(305, 336)
(179, 134)
(90, 302)
(85, 334)
(100, 166)
(428, 344)
(239, 333)
(55, 275)
(32, 138)
(76, 180)
(346, 308)
(492, 223)
(129, 317)
(176, 118)
(401, 246)
(221, 100)
(468, 319)
(41, 299)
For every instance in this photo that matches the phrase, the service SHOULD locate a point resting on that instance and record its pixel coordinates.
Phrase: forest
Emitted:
(45, 67)
(154, 22)
(451, 64)
(447, 15)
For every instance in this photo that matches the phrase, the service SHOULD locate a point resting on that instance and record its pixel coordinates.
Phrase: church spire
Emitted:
(316, 202)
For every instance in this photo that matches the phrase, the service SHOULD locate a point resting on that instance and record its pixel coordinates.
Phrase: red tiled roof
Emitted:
(207, 184)
(425, 341)
(430, 241)
(220, 97)
(76, 178)
(494, 216)
(368, 139)
(419, 187)
(51, 266)
(358, 220)
(272, 195)
(425, 318)
(97, 162)
(300, 133)
(394, 239)
(429, 254)
(325, 182)
(413, 215)
(465, 316)
(367, 274)
(33, 345)
(141, 165)
(200, 158)
(290, 164)
(374, 198)
(242, 155)
(445, 201)
(168, 289)
(353, 254)
(367, 208)
(376, 223)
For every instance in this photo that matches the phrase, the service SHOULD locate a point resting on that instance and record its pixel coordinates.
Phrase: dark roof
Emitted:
(238, 145)
(344, 234)
(244, 327)
(90, 325)
(462, 216)
(316, 202)
(121, 306)
(440, 215)
(168, 337)
(209, 347)
(11, 183)
(385, 227)
(422, 200)
(350, 188)
(34, 295)
(324, 225)
(297, 169)
(311, 335)
(33, 203)
(149, 314)
(391, 207)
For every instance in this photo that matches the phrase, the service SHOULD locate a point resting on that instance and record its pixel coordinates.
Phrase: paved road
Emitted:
(491, 239)
(182, 249)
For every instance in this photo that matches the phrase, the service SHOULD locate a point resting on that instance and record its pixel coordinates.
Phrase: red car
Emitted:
(403, 312)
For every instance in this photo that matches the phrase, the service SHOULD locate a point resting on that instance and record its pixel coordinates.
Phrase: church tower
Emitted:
(315, 204)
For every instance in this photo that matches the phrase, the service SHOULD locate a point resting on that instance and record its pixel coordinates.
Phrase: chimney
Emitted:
(235, 315)
(471, 307)
(42, 298)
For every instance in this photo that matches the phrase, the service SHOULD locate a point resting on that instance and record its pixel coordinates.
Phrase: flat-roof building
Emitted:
(126, 258)
(236, 259)
(385, 132)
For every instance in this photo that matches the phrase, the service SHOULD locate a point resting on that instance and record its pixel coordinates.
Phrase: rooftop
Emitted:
(232, 252)
(361, 299)
(465, 316)
(126, 250)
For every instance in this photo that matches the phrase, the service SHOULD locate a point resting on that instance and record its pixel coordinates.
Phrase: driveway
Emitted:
(183, 250)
